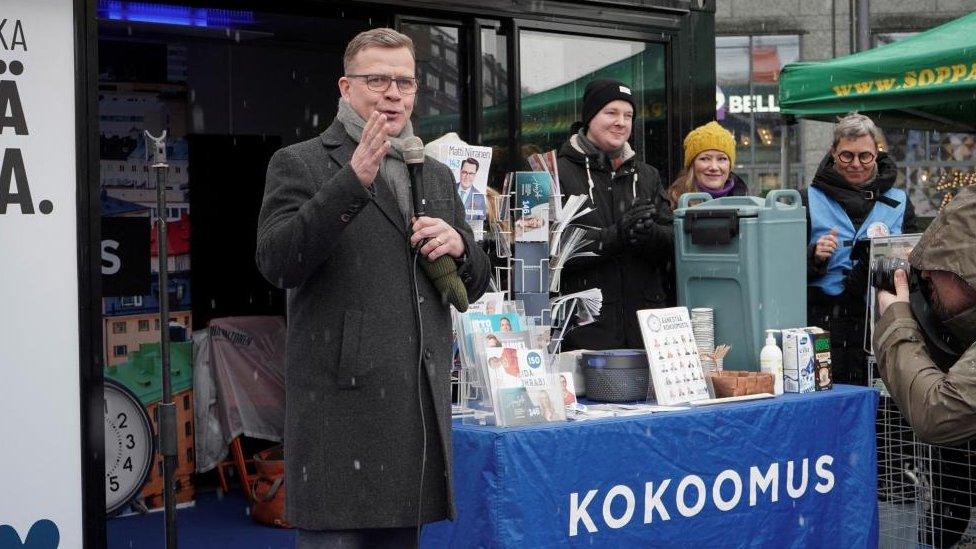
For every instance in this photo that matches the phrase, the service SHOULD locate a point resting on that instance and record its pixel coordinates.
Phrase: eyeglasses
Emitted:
(864, 157)
(468, 173)
(381, 82)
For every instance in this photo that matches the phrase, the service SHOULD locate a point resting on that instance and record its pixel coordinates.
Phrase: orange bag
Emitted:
(268, 488)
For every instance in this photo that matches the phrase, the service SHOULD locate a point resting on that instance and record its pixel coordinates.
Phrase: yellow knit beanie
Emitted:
(711, 136)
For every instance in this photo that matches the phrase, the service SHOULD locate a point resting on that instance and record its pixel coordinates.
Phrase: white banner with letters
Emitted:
(39, 338)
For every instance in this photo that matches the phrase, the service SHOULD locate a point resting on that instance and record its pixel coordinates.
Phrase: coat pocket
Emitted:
(354, 361)
(654, 295)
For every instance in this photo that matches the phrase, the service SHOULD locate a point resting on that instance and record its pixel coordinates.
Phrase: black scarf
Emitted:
(857, 202)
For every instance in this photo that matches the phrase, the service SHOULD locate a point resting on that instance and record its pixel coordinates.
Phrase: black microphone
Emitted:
(442, 272)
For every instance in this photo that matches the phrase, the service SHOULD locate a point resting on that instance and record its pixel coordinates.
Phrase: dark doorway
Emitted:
(227, 173)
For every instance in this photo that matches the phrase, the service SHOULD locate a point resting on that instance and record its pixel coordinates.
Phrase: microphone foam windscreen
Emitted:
(442, 272)
(413, 150)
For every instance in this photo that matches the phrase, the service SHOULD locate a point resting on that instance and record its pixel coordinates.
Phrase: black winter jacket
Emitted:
(631, 277)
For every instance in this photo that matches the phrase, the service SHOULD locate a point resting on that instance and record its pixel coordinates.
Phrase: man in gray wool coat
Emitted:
(368, 398)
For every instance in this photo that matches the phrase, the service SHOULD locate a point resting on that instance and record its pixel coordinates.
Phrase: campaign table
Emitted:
(794, 471)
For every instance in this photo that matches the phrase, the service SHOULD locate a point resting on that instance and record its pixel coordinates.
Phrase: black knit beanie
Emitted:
(601, 91)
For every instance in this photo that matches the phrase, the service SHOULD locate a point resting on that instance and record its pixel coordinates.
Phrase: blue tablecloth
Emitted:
(794, 471)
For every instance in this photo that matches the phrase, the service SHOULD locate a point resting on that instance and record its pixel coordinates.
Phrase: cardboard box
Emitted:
(806, 360)
(822, 369)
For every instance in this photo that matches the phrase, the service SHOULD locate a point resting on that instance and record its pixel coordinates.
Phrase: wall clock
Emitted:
(129, 445)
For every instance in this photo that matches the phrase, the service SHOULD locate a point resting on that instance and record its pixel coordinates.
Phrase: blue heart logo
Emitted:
(43, 534)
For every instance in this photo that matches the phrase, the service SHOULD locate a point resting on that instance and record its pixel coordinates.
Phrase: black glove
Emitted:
(633, 229)
(638, 224)
(856, 281)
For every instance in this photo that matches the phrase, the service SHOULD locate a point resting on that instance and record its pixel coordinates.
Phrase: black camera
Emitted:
(883, 272)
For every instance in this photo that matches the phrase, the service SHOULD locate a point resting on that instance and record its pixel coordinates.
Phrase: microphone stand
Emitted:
(166, 410)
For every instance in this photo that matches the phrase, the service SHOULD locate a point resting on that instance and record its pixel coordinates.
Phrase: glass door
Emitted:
(440, 75)
(554, 68)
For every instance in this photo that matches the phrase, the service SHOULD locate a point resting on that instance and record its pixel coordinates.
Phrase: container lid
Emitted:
(623, 359)
(744, 206)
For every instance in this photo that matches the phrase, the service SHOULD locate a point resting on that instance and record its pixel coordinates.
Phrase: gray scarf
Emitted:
(587, 147)
(393, 169)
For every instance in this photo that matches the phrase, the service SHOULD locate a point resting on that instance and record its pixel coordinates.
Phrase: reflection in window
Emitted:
(555, 69)
(747, 70)
(438, 106)
(494, 103)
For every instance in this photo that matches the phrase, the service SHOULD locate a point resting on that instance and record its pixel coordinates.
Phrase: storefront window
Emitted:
(747, 70)
(555, 69)
(494, 102)
(438, 107)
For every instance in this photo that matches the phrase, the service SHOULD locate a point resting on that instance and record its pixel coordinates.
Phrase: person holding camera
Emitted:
(925, 344)
(852, 199)
(630, 224)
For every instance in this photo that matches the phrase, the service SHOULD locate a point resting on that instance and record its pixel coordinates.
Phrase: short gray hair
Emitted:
(376, 38)
(855, 125)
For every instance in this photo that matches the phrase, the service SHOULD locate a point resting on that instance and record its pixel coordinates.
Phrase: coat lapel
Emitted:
(341, 147)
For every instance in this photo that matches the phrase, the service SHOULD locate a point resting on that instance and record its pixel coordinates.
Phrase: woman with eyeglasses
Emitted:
(852, 199)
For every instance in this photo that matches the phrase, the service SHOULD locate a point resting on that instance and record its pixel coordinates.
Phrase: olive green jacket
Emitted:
(940, 406)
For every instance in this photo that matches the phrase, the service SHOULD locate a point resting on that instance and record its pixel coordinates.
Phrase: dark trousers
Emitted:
(365, 538)
(845, 322)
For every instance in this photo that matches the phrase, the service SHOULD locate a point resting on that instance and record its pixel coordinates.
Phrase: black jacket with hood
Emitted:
(631, 277)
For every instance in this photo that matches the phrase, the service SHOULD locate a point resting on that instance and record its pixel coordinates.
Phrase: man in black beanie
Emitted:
(601, 91)
(630, 223)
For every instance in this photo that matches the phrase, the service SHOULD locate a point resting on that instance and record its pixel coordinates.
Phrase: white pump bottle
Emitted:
(771, 361)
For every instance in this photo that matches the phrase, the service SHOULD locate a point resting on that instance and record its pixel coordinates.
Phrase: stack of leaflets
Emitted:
(586, 305)
(546, 162)
(523, 392)
(566, 241)
(514, 377)
(673, 355)
(571, 310)
(533, 191)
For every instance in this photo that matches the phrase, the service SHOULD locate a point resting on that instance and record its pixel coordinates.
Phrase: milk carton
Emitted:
(806, 357)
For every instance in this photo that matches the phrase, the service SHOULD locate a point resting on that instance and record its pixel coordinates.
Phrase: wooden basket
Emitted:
(731, 383)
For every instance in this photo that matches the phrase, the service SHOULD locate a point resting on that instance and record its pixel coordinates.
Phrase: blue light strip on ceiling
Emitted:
(187, 16)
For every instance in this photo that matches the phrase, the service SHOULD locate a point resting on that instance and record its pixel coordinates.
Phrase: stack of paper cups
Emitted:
(703, 327)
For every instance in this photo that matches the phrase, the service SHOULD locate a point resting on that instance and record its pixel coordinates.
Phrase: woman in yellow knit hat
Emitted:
(708, 160)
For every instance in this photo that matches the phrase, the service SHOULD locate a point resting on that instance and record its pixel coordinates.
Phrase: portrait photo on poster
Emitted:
(470, 165)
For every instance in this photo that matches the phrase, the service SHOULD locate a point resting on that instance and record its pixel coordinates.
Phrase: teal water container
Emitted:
(744, 257)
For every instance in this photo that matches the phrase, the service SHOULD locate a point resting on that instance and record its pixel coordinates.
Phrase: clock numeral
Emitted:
(122, 418)
(128, 464)
(130, 442)
(113, 483)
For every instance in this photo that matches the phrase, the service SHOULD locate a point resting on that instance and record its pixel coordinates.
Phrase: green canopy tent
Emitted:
(927, 81)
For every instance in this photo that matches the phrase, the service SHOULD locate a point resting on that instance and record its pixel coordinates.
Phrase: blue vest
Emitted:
(826, 214)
